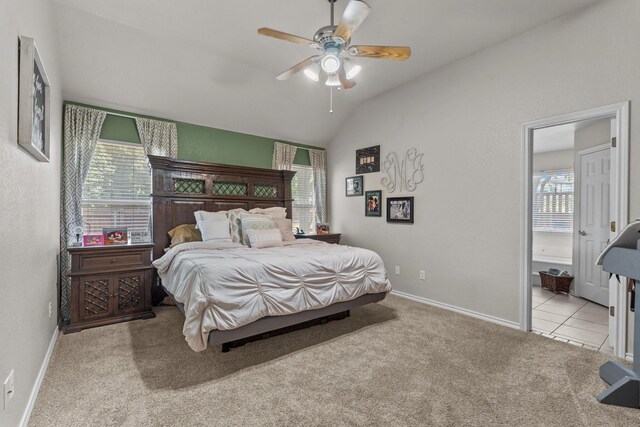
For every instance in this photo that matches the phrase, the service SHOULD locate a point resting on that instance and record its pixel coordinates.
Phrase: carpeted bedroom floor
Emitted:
(394, 363)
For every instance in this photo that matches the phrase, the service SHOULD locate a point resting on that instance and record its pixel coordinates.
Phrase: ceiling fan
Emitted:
(336, 50)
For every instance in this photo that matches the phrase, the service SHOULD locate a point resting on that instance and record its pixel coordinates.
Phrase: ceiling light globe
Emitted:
(353, 71)
(330, 64)
(312, 74)
(333, 80)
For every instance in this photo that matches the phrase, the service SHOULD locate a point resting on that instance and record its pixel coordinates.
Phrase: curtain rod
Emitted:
(128, 116)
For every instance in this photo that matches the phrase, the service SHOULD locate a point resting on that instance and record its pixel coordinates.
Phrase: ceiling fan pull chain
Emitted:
(331, 100)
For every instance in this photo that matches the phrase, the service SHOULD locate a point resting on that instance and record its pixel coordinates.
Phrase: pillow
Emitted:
(284, 225)
(183, 234)
(235, 225)
(213, 225)
(254, 222)
(274, 212)
(264, 238)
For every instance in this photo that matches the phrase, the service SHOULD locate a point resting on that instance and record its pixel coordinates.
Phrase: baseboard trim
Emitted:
(36, 387)
(471, 313)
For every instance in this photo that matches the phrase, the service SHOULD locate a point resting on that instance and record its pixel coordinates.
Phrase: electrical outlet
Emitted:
(50, 309)
(422, 276)
(397, 269)
(9, 390)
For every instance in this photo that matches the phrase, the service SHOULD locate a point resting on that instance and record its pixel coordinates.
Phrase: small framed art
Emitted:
(322, 228)
(368, 159)
(33, 102)
(115, 236)
(354, 186)
(93, 240)
(400, 209)
(373, 203)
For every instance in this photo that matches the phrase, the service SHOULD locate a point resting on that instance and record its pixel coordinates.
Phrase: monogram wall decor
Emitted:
(403, 174)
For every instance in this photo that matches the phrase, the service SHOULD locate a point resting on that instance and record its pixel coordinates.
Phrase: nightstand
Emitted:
(329, 238)
(109, 284)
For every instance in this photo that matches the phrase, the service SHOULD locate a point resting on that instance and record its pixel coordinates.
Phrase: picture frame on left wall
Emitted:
(353, 186)
(33, 101)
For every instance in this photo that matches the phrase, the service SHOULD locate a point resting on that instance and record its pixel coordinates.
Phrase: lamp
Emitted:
(333, 80)
(313, 71)
(352, 70)
(330, 63)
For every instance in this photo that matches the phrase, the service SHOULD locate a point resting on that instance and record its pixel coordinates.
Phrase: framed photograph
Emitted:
(368, 159)
(115, 236)
(93, 240)
(373, 203)
(140, 236)
(354, 186)
(33, 102)
(322, 228)
(400, 209)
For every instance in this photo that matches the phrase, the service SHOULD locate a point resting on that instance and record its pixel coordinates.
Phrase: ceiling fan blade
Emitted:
(353, 16)
(399, 53)
(297, 68)
(283, 36)
(342, 75)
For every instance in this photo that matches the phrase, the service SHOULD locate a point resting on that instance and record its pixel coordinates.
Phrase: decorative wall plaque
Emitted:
(403, 174)
(368, 159)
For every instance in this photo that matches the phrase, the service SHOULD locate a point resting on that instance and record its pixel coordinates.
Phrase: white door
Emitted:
(594, 223)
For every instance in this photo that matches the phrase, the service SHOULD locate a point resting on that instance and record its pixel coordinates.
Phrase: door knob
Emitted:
(582, 233)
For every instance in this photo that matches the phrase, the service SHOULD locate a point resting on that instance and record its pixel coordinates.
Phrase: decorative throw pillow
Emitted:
(184, 233)
(264, 238)
(254, 222)
(284, 225)
(213, 225)
(273, 212)
(235, 225)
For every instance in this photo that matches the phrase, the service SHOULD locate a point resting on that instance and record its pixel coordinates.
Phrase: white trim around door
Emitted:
(619, 207)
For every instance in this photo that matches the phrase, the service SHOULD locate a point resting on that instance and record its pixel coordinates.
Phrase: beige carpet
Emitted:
(394, 363)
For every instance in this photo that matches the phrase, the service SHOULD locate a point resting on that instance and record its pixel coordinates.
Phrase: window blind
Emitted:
(304, 208)
(553, 201)
(116, 192)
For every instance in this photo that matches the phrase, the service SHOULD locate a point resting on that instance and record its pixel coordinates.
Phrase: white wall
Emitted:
(466, 118)
(29, 210)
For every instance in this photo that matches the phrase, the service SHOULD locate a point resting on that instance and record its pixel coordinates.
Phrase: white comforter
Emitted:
(225, 286)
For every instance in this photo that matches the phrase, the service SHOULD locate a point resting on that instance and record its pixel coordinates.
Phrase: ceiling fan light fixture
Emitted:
(333, 80)
(330, 63)
(352, 70)
(313, 72)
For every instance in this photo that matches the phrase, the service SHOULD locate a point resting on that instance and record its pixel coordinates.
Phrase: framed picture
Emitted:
(140, 236)
(368, 159)
(400, 209)
(373, 203)
(322, 228)
(33, 102)
(93, 239)
(115, 236)
(354, 186)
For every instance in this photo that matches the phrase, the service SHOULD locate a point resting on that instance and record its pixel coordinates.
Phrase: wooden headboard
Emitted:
(181, 188)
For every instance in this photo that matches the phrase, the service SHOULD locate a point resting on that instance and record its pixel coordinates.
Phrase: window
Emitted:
(304, 207)
(553, 201)
(116, 192)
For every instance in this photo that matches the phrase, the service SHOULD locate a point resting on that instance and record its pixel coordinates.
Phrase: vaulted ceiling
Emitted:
(201, 61)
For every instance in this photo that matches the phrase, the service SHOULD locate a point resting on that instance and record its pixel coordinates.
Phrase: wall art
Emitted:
(368, 159)
(33, 102)
(373, 203)
(403, 174)
(354, 186)
(400, 209)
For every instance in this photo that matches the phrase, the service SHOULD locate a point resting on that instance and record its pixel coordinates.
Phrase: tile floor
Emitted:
(570, 319)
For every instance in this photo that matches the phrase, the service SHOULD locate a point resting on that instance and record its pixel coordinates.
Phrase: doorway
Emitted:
(575, 179)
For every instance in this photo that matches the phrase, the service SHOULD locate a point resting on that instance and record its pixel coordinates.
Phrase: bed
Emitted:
(301, 282)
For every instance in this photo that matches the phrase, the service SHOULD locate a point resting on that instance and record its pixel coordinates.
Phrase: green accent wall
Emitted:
(203, 144)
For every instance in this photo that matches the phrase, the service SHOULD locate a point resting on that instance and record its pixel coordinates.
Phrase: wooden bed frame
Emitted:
(182, 187)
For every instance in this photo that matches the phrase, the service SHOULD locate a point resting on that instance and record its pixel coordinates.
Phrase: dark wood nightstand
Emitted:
(109, 284)
(329, 238)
